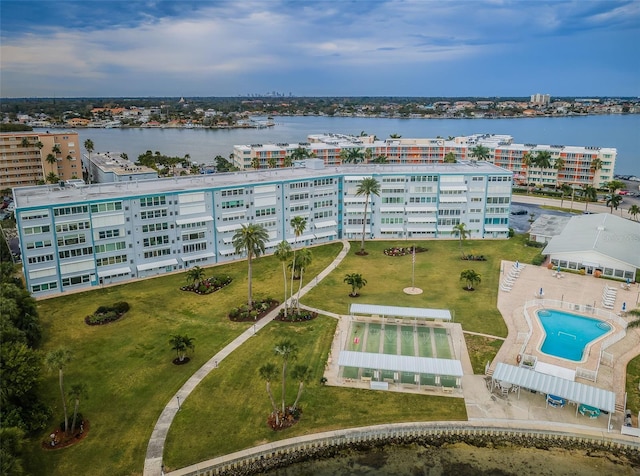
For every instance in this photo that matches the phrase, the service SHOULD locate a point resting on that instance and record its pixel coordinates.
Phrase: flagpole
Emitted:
(413, 267)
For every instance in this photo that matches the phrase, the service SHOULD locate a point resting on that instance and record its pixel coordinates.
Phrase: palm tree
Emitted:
(450, 158)
(613, 201)
(181, 344)
(52, 178)
(590, 194)
(356, 281)
(298, 225)
(77, 391)
(58, 359)
(283, 253)
(271, 162)
(302, 374)
(255, 163)
(25, 142)
(527, 161)
(471, 277)
(542, 160)
(304, 260)
(195, 275)
(89, 147)
(287, 161)
(56, 149)
(250, 239)
(596, 164)
(51, 159)
(633, 211)
(480, 152)
(268, 372)
(460, 230)
(367, 187)
(565, 191)
(395, 136)
(352, 156)
(300, 153)
(288, 351)
(558, 164)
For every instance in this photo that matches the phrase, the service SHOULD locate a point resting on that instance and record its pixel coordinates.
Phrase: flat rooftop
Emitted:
(42, 195)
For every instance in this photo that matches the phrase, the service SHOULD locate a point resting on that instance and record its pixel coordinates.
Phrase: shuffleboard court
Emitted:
(407, 341)
(425, 348)
(373, 338)
(443, 348)
(391, 339)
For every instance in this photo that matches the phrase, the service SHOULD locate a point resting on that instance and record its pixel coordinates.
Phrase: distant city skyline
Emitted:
(322, 48)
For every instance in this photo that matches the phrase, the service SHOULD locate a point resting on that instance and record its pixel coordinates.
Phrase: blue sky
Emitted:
(319, 48)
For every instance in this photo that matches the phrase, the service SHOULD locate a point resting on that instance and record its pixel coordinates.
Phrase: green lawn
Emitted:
(127, 365)
(437, 273)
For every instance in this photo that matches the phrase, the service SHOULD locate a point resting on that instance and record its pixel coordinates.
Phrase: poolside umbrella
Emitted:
(541, 292)
(558, 269)
(628, 281)
(517, 264)
(624, 306)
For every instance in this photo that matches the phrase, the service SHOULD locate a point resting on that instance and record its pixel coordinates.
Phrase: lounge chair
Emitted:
(556, 401)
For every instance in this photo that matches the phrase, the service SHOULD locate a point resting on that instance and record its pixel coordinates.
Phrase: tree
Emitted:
(298, 225)
(565, 191)
(77, 391)
(395, 136)
(367, 187)
(471, 278)
(12, 446)
(268, 372)
(634, 210)
(480, 152)
(195, 275)
(460, 230)
(181, 344)
(559, 164)
(450, 158)
(89, 147)
(304, 260)
(354, 156)
(283, 253)
(255, 163)
(300, 153)
(527, 161)
(56, 149)
(596, 164)
(380, 159)
(271, 162)
(58, 359)
(25, 142)
(613, 201)
(250, 239)
(356, 281)
(590, 194)
(542, 160)
(614, 186)
(287, 161)
(52, 178)
(289, 352)
(302, 374)
(51, 159)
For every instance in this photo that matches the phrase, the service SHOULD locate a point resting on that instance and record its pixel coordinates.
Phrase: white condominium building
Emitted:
(76, 237)
(573, 165)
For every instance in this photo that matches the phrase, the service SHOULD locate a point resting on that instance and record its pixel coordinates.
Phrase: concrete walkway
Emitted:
(153, 460)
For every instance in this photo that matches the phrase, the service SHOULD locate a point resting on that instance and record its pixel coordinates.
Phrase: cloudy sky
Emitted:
(319, 48)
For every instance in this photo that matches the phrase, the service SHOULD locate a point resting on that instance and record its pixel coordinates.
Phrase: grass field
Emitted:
(127, 365)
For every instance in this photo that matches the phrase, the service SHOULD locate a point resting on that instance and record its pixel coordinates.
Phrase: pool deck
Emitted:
(571, 288)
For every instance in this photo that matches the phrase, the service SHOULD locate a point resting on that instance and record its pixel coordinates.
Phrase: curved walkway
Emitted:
(153, 459)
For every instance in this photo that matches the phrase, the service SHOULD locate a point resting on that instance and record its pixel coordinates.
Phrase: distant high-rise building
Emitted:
(30, 158)
(540, 99)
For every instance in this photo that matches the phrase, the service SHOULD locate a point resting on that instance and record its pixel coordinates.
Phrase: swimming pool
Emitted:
(567, 335)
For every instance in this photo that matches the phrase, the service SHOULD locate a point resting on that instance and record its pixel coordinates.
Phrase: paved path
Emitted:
(153, 459)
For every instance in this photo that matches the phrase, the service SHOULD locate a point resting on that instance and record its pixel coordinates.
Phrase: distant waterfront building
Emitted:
(540, 99)
(582, 165)
(108, 167)
(28, 158)
(79, 236)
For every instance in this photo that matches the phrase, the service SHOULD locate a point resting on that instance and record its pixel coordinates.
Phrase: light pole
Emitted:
(178, 398)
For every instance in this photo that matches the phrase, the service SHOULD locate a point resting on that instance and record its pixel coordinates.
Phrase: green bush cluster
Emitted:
(243, 313)
(106, 314)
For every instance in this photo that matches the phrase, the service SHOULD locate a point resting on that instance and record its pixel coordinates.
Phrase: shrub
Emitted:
(538, 260)
(121, 307)
(106, 314)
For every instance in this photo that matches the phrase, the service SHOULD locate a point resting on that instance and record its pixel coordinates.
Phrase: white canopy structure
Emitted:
(400, 363)
(395, 311)
(561, 387)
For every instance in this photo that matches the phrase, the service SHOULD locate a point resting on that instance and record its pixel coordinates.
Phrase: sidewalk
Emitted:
(153, 459)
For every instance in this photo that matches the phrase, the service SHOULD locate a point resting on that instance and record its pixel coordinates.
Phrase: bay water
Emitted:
(202, 145)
